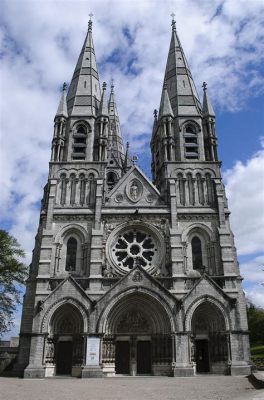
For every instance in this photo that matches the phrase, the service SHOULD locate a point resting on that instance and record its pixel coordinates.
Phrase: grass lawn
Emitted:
(257, 351)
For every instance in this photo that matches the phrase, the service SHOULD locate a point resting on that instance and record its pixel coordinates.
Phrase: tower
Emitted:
(131, 276)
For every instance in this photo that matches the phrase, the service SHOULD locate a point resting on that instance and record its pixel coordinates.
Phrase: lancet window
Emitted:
(63, 189)
(91, 189)
(71, 255)
(111, 180)
(197, 256)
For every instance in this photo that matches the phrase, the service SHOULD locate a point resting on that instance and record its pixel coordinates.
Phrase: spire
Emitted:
(115, 136)
(165, 105)
(207, 106)
(103, 109)
(182, 93)
(84, 92)
(62, 109)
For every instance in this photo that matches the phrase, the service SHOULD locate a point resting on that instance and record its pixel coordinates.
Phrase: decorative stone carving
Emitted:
(133, 321)
(137, 277)
(134, 190)
(119, 198)
(150, 198)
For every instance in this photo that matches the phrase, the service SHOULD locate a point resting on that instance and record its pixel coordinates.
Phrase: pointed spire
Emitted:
(155, 123)
(125, 162)
(165, 105)
(207, 106)
(103, 109)
(62, 109)
(112, 103)
(115, 136)
(84, 92)
(182, 93)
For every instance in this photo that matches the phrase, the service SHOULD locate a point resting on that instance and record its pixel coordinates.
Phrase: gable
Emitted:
(137, 279)
(67, 288)
(134, 189)
(206, 287)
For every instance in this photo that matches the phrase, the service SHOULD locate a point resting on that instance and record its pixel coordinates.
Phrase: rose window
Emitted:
(135, 247)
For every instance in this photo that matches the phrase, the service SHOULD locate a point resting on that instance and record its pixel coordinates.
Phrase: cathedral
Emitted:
(131, 276)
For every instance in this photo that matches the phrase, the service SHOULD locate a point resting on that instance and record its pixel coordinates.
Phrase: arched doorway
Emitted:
(210, 339)
(64, 345)
(137, 339)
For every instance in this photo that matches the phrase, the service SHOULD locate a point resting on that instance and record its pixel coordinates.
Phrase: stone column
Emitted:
(183, 365)
(36, 368)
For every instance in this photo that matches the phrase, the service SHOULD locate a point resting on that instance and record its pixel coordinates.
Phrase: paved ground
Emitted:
(124, 388)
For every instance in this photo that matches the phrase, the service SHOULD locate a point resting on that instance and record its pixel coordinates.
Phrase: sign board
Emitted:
(92, 351)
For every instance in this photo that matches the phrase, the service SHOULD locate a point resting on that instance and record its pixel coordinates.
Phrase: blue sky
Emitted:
(224, 44)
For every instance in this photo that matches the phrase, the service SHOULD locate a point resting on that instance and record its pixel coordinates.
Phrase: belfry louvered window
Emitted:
(79, 143)
(191, 142)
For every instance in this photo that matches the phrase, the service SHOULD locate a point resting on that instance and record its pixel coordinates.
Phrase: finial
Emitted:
(127, 146)
(165, 86)
(173, 22)
(90, 22)
(104, 85)
(112, 86)
(155, 114)
(204, 86)
(64, 86)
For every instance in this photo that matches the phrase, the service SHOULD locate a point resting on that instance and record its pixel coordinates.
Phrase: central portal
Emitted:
(133, 356)
(138, 337)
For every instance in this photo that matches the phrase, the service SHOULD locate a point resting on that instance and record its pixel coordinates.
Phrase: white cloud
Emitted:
(245, 193)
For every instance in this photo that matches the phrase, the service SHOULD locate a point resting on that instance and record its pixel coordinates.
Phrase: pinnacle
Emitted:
(207, 106)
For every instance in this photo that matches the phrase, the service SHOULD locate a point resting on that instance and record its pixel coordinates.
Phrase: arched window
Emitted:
(82, 189)
(73, 189)
(200, 188)
(79, 143)
(181, 189)
(111, 180)
(191, 189)
(71, 255)
(210, 189)
(63, 189)
(191, 142)
(197, 253)
(91, 190)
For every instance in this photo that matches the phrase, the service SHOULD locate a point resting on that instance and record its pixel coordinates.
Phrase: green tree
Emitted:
(256, 325)
(12, 275)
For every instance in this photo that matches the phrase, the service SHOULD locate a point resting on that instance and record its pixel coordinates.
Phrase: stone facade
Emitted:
(131, 276)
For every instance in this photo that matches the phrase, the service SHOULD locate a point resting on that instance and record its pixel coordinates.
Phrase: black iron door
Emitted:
(202, 355)
(64, 358)
(144, 357)
(122, 357)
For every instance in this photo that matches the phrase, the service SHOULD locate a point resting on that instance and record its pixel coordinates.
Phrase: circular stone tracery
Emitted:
(135, 246)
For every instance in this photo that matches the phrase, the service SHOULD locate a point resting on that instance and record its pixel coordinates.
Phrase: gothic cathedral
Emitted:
(131, 276)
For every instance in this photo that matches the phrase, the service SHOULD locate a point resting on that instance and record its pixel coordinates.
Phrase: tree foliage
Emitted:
(256, 325)
(12, 274)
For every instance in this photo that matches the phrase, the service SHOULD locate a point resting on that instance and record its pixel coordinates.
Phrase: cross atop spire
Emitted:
(112, 86)
(204, 86)
(173, 22)
(90, 23)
